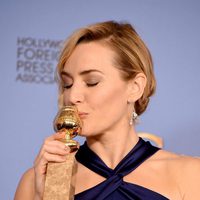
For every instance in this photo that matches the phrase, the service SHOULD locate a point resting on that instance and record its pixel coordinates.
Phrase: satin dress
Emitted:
(114, 187)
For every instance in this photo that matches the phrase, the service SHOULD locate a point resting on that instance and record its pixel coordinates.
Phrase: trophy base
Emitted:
(60, 180)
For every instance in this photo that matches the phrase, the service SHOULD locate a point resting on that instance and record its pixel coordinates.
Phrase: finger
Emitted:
(62, 145)
(47, 157)
(56, 147)
(55, 136)
(54, 158)
(53, 147)
(41, 166)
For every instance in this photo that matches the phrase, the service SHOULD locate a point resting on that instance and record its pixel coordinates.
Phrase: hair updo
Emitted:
(132, 55)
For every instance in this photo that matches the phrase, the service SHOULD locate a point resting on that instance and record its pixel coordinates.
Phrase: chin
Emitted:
(85, 134)
(88, 134)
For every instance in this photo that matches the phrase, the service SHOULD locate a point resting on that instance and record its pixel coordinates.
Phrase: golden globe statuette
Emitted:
(60, 181)
(68, 120)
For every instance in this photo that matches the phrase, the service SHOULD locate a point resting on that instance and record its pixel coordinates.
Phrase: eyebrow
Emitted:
(81, 73)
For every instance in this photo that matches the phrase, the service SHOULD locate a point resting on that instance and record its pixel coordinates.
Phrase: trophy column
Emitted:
(60, 180)
(60, 177)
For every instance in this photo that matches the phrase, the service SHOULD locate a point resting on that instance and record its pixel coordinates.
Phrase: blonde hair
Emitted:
(132, 55)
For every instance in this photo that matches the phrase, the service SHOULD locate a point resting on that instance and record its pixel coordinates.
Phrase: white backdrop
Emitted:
(30, 35)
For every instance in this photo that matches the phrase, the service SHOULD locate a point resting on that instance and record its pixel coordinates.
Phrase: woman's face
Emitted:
(95, 87)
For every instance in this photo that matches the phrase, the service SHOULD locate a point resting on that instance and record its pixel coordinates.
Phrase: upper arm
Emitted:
(25, 189)
(191, 185)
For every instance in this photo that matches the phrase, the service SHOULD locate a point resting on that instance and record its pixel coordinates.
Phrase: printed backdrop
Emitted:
(31, 33)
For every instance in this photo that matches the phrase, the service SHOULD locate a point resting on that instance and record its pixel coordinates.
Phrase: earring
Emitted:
(134, 118)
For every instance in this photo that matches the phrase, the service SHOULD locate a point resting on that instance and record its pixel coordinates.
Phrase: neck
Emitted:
(113, 146)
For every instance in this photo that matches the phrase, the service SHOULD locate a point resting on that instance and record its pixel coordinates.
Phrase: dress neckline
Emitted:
(114, 183)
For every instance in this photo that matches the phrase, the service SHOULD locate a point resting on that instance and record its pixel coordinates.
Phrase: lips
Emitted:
(82, 114)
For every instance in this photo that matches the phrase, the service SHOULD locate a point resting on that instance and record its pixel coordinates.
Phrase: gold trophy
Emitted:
(60, 177)
(67, 120)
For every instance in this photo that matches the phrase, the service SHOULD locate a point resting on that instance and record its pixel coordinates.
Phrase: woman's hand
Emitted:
(52, 150)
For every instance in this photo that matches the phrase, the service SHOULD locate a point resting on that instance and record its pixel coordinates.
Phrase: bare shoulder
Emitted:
(186, 163)
(174, 164)
(185, 170)
(25, 189)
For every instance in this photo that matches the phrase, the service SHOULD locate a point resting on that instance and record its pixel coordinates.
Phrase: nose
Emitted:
(74, 95)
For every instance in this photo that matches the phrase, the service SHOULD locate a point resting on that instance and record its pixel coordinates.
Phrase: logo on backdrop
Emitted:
(37, 59)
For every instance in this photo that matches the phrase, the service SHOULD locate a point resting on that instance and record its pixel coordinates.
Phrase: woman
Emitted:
(106, 71)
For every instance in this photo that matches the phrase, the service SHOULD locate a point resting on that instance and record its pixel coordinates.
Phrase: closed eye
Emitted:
(92, 84)
(65, 86)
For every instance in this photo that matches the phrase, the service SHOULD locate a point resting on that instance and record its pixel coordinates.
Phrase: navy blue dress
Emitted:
(114, 188)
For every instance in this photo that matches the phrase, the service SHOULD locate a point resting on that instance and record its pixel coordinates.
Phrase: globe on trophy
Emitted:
(67, 120)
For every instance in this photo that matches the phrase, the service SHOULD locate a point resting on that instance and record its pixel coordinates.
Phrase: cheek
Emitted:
(107, 105)
(65, 98)
(108, 100)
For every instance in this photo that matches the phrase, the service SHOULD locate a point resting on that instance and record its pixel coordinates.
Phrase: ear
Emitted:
(136, 87)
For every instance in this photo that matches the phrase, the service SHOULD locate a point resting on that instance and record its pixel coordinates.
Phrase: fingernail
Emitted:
(64, 158)
(67, 148)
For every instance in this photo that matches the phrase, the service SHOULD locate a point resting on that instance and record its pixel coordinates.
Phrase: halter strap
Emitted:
(114, 177)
